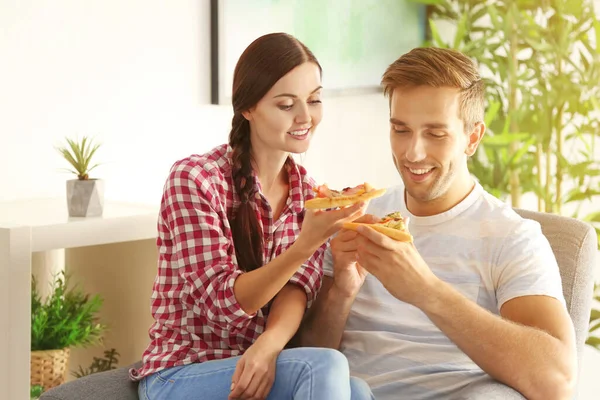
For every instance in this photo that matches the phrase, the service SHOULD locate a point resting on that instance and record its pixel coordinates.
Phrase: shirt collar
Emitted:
(295, 179)
(296, 193)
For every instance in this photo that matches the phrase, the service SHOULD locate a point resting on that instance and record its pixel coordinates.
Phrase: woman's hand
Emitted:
(319, 225)
(255, 371)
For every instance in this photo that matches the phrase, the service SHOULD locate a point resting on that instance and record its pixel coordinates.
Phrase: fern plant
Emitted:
(106, 363)
(66, 318)
(79, 154)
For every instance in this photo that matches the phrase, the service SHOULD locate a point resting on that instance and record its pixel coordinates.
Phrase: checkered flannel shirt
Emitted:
(197, 317)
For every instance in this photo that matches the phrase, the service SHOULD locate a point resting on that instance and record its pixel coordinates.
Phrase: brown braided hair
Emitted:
(261, 65)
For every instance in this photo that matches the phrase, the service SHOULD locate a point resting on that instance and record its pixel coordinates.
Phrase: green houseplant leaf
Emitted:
(66, 318)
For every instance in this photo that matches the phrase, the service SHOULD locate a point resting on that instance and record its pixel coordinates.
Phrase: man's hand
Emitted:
(397, 265)
(348, 275)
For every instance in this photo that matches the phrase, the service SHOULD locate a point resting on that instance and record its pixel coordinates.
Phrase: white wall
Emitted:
(135, 73)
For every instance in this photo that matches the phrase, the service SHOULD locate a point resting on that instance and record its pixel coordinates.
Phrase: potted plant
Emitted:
(85, 196)
(542, 71)
(67, 318)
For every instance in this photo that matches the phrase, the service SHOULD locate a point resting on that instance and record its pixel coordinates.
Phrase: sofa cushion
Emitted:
(113, 385)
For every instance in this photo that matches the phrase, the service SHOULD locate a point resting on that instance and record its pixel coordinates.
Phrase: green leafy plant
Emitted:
(542, 69)
(66, 318)
(36, 391)
(541, 64)
(106, 363)
(79, 154)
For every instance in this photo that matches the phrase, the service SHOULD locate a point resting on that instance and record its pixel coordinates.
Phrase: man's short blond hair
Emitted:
(430, 66)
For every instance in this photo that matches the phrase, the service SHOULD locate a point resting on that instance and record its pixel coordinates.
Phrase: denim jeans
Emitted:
(302, 374)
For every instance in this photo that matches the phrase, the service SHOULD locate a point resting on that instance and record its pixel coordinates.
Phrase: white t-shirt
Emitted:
(483, 249)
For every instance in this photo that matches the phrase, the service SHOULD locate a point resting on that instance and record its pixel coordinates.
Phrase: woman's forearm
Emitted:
(256, 288)
(285, 314)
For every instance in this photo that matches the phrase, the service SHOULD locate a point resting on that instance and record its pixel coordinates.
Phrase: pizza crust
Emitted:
(396, 234)
(341, 201)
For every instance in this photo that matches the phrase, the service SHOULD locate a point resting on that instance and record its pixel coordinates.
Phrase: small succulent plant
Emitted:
(79, 154)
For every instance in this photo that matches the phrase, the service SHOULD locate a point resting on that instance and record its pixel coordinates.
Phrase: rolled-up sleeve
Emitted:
(202, 251)
(310, 275)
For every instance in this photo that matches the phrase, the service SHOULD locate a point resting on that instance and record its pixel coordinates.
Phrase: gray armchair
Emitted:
(574, 244)
(575, 247)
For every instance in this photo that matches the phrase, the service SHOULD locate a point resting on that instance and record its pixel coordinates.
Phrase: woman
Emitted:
(239, 257)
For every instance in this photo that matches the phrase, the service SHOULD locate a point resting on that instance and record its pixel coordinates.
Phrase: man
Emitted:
(478, 293)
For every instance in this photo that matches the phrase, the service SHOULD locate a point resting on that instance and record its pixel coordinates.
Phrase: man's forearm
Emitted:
(522, 357)
(326, 319)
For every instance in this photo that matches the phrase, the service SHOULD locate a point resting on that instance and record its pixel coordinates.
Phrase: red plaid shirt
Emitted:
(197, 317)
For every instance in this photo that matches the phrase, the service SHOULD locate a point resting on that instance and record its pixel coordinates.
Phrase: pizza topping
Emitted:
(358, 190)
(324, 192)
(395, 215)
(394, 221)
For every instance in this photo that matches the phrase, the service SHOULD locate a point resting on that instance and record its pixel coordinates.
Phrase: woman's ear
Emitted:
(474, 138)
(247, 114)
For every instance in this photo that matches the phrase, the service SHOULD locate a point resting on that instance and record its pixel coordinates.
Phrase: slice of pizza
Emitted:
(330, 198)
(392, 225)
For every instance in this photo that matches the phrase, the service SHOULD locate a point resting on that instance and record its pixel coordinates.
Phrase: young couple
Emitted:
(242, 263)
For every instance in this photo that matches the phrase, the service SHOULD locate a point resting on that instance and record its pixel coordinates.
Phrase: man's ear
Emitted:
(474, 138)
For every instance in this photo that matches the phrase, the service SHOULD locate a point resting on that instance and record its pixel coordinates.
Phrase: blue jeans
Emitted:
(302, 374)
